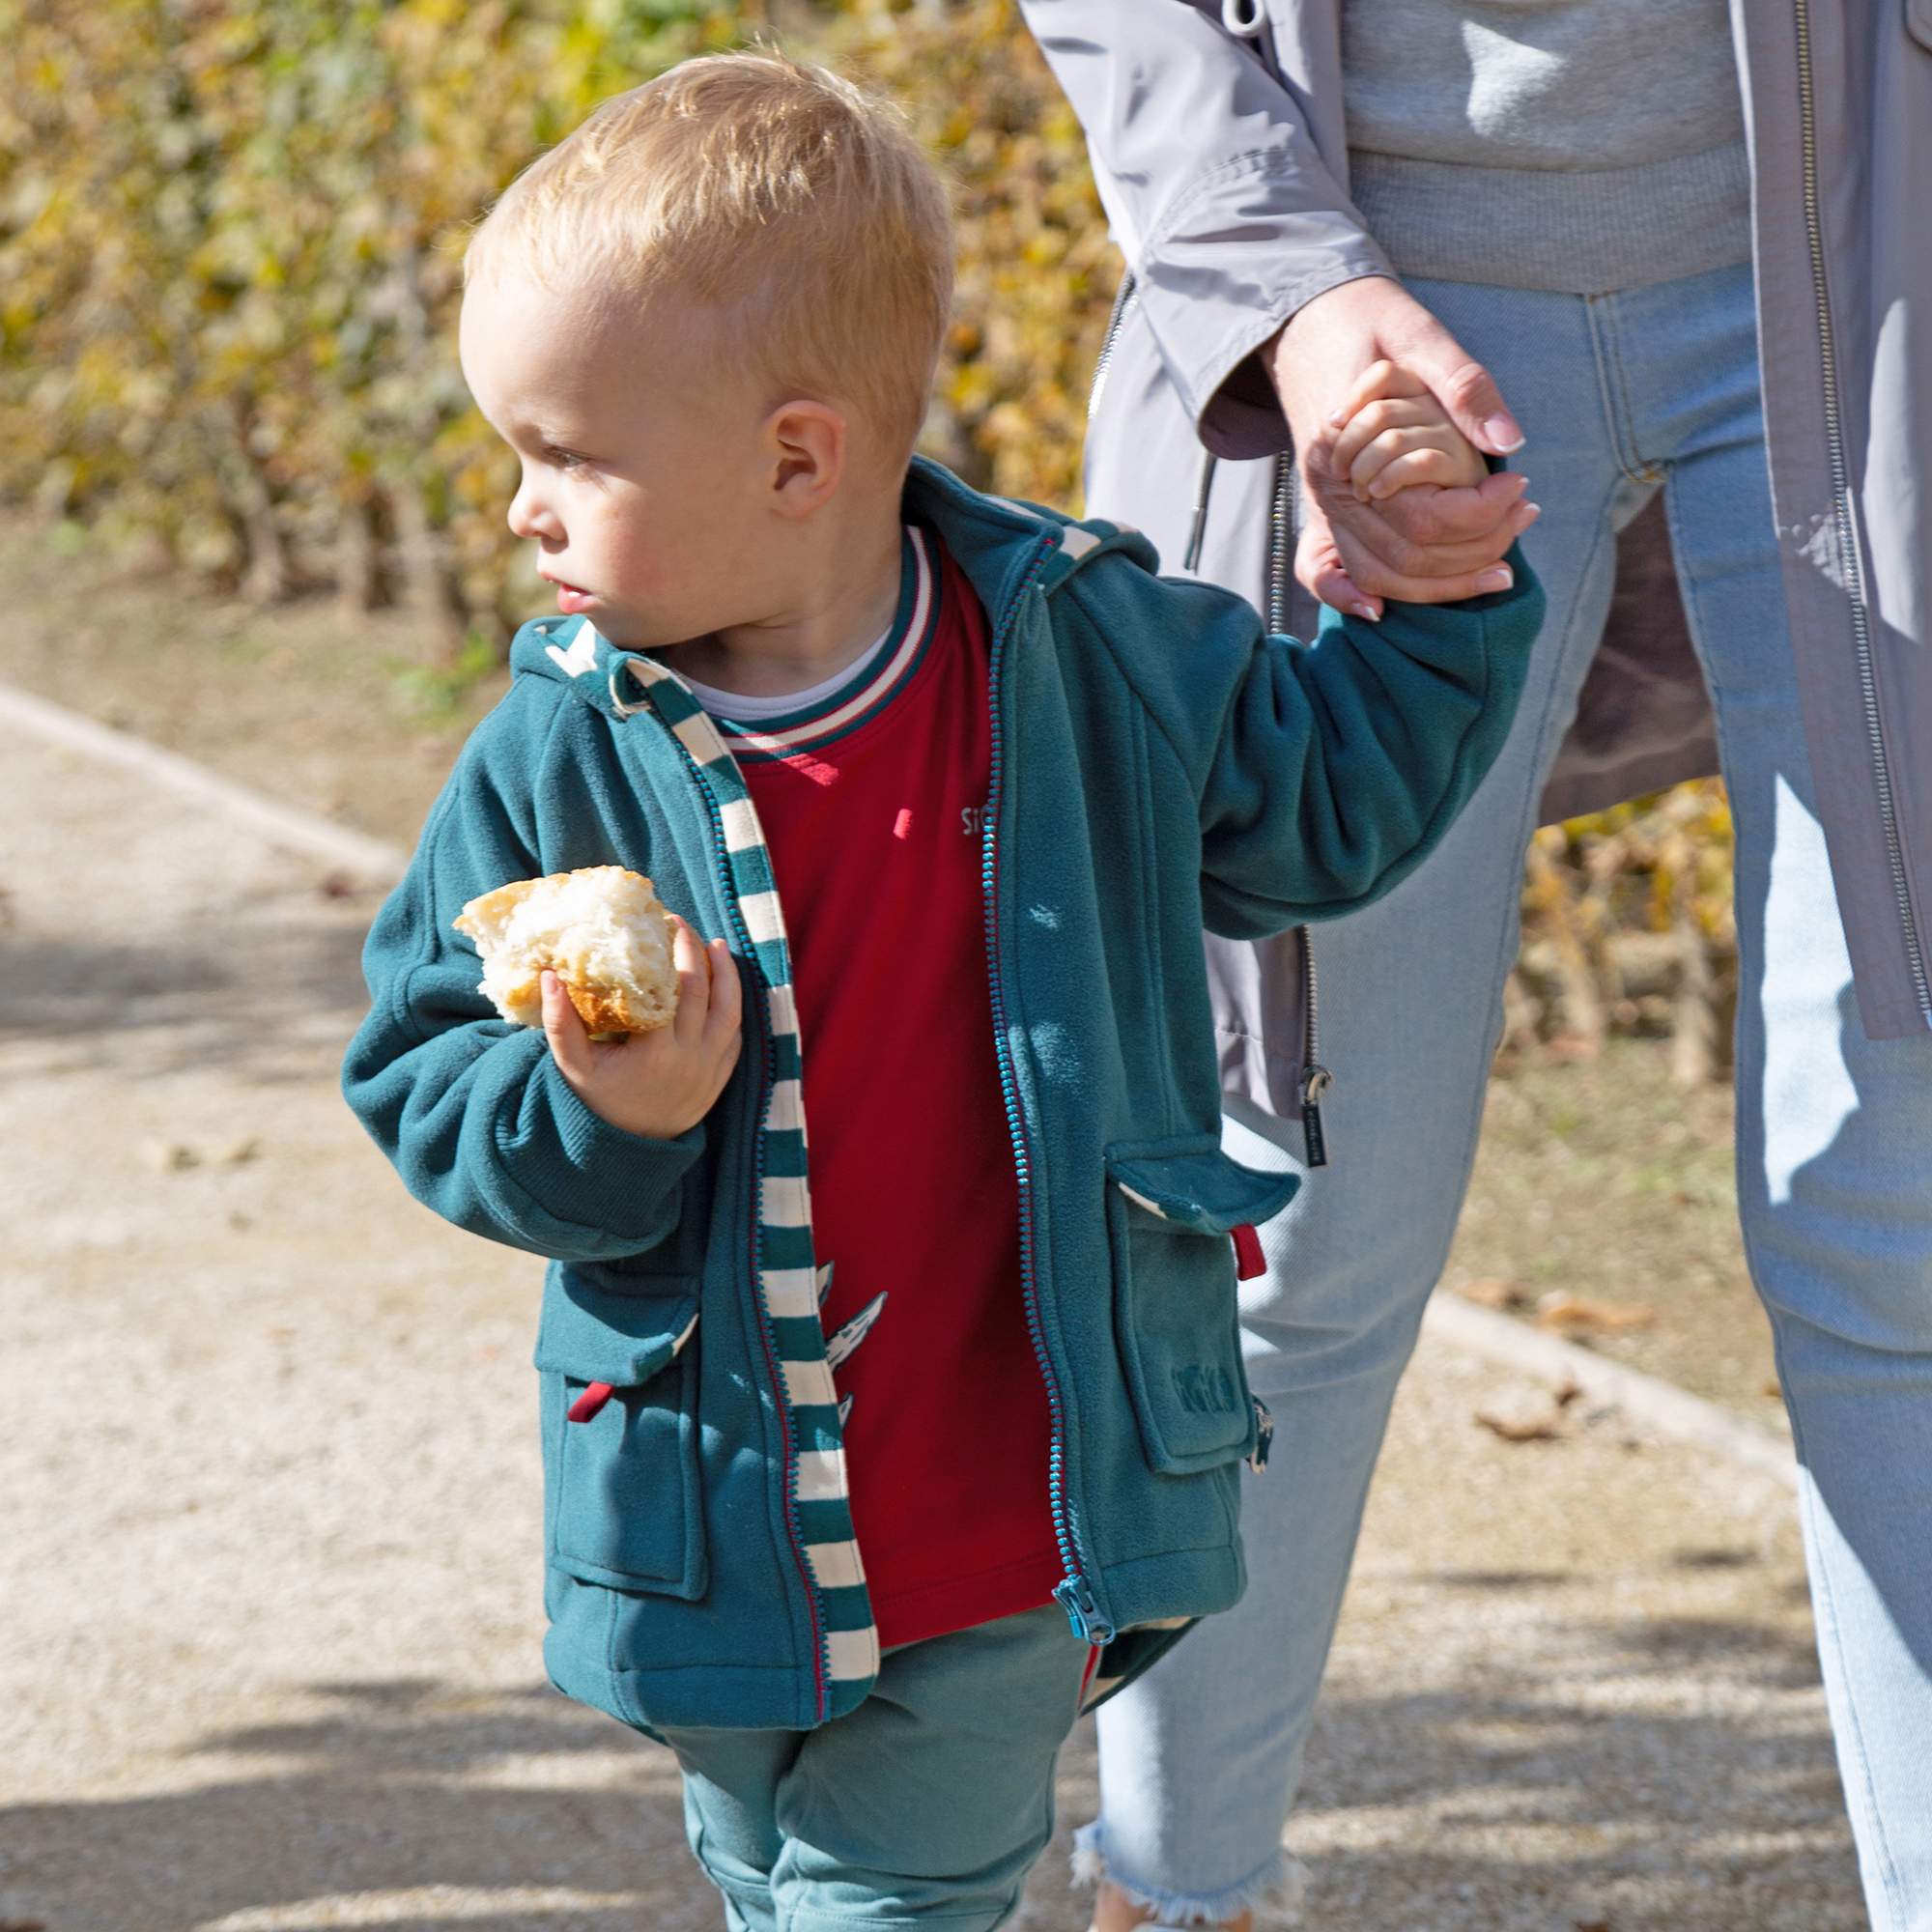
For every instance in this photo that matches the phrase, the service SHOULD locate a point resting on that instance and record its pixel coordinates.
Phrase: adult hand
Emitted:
(1423, 544)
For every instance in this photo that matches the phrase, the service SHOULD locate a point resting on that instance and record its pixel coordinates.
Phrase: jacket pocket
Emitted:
(620, 1388)
(1172, 1209)
(1919, 21)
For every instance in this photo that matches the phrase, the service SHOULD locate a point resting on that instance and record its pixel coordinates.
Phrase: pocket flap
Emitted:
(1200, 1188)
(622, 1339)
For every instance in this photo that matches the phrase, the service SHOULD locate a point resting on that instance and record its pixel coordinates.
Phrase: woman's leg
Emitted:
(1199, 1760)
(1835, 1180)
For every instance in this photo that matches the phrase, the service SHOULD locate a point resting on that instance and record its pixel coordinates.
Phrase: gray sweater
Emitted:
(1573, 145)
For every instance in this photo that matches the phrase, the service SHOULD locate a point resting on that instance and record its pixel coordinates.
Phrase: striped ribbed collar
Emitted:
(880, 679)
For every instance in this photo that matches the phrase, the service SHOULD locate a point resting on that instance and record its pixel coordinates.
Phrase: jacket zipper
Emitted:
(1315, 1079)
(1123, 300)
(1841, 511)
(1073, 1594)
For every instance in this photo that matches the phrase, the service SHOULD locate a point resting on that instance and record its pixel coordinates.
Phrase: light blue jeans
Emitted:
(1621, 395)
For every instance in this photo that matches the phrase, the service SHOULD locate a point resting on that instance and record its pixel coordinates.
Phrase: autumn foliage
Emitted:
(231, 236)
(230, 248)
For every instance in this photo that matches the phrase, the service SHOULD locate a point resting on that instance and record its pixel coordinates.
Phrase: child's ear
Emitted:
(807, 447)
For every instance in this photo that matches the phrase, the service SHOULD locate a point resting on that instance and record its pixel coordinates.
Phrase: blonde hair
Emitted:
(773, 192)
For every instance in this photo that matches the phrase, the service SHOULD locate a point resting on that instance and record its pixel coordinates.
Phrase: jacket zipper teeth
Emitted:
(1280, 533)
(1074, 1584)
(1315, 1077)
(722, 871)
(1841, 510)
(1123, 298)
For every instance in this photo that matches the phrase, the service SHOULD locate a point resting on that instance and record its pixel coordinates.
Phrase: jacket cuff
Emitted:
(584, 1170)
(1234, 260)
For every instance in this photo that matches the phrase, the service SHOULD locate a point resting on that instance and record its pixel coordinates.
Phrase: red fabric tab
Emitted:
(589, 1403)
(1249, 1260)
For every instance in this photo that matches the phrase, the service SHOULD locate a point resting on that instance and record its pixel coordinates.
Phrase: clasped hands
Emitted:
(1356, 369)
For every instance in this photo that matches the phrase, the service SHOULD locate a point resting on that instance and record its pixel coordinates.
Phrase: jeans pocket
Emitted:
(620, 1428)
(1172, 1210)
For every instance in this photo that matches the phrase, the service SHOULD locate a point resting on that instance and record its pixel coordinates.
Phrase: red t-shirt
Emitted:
(872, 802)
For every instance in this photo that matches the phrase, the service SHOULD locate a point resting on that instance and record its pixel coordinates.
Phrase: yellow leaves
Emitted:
(210, 200)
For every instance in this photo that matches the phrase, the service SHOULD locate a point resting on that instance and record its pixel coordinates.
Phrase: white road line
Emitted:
(1668, 1409)
(286, 825)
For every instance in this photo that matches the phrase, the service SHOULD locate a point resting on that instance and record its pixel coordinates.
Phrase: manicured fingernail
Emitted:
(1504, 435)
(1367, 610)
(1498, 579)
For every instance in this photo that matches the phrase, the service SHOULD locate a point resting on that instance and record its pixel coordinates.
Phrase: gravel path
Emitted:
(268, 1509)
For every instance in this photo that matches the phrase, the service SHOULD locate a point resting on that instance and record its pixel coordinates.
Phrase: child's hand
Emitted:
(658, 1084)
(1394, 435)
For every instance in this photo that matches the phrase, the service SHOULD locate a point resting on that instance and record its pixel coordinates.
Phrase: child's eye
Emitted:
(565, 459)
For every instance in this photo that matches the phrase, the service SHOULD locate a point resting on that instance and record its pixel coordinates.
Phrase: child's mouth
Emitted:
(570, 599)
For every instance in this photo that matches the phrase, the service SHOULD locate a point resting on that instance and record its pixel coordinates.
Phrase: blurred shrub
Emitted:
(1627, 929)
(230, 258)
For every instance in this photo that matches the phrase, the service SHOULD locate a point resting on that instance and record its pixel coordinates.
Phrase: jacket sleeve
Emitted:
(1324, 774)
(471, 1109)
(1216, 191)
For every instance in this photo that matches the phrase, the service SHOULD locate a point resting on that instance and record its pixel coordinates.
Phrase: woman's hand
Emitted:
(658, 1084)
(1424, 546)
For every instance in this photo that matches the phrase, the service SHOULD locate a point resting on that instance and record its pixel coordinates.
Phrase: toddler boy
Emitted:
(856, 1490)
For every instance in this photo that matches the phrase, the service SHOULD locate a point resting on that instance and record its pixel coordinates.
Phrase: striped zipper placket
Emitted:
(1073, 1594)
(817, 1493)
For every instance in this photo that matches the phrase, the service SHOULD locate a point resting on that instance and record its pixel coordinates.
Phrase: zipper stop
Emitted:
(1075, 1596)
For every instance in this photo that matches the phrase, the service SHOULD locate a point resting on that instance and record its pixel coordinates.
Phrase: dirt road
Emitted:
(268, 1520)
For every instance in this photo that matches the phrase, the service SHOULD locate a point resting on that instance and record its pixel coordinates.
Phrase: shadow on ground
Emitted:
(414, 1803)
(228, 992)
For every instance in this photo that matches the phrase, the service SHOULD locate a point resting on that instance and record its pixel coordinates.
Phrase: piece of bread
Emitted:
(601, 930)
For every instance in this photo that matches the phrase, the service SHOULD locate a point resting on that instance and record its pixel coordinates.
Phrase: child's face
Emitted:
(645, 478)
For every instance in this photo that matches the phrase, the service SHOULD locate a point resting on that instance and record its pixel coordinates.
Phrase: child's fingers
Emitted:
(724, 1022)
(1420, 465)
(1378, 380)
(1380, 419)
(563, 1027)
(727, 992)
(693, 983)
(1456, 462)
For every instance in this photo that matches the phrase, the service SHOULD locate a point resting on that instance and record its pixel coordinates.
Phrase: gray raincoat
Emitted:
(1222, 161)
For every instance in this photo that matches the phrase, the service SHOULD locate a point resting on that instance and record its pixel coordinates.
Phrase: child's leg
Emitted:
(930, 1802)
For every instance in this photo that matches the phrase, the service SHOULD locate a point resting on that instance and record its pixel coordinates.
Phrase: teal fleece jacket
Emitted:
(1160, 765)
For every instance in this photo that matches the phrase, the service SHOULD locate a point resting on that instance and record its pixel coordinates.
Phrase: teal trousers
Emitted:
(925, 1806)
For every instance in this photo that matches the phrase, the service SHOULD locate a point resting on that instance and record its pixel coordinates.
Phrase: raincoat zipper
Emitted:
(1123, 300)
(1074, 1594)
(1314, 1079)
(1841, 511)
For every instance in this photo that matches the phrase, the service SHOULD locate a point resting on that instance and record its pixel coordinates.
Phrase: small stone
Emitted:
(169, 1156)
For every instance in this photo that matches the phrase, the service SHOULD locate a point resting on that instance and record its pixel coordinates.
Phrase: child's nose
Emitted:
(531, 517)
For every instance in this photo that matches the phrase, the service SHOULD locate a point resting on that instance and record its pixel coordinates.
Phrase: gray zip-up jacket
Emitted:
(1223, 164)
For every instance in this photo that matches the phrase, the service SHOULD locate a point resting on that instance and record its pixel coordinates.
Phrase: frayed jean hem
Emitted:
(1273, 1893)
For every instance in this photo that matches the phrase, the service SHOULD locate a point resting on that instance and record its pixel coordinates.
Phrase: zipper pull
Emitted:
(1315, 1081)
(590, 1404)
(1264, 1435)
(1076, 1598)
(1249, 1260)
